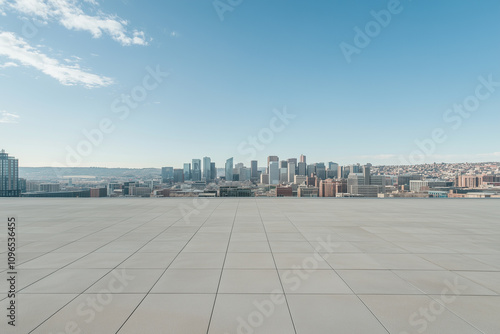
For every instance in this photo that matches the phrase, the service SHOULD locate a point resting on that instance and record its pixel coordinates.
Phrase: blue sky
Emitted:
(63, 65)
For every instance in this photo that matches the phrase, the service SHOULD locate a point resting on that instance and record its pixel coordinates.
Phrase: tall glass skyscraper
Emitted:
(213, 171)
(207, 175)
(196, 170)
(229, 169)
(167, 174)
(254, 169)
(274, 172)
(9, 176)
(187, 171)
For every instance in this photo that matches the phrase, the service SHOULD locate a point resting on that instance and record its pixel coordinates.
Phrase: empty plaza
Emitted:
(252, 265)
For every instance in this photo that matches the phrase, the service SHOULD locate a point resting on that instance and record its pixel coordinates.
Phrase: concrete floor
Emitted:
(254, 265)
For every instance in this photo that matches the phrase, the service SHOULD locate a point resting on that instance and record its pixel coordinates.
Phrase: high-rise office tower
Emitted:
(167, 174)
(302, 168)
(196, 170)
(332, 171)
(366, 173)
(343, 172)
(292, 161)
(355, 168)
(229, 169)
(333, 166)
(321, 170)
(283, 175)
(270, 159)
(178, 175)
(274, 172)
(311, 169)
(291, 171)
(213, 171)
(206, 168)
(9, 175)
(244, 173)
(254, 169)
(187, 171)
(303, 158)
(283, 164)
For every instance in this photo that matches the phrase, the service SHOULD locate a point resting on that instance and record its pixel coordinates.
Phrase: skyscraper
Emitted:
(9, 175)
(229, 169)
(291, 171)
(254, 169)
(196, 170)
(333, 170)
(187, 171)
(270, 159)
(206, 168)
(283, 175)
(167, 174)
(367, 174)
(213, 171)
(302, 168)
(333, 165)
(303, 158)
(311, 169)
(178, 175)
(274, 172)
(321, 170)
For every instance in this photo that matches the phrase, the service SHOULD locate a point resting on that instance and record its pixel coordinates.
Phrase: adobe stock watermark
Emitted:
(223, 6)
(121, 108)
(373, 28)
(265, 136)
(426, 315)
(89, 309)
(293, 278)
(31, 27)
(187, 211)
(453, 116)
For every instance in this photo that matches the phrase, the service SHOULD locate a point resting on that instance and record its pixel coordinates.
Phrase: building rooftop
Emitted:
(253, 265)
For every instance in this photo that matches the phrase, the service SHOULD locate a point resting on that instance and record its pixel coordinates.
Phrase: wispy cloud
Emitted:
(494, 154)
(8, 64)
(394, 159)
(171, 33)
(71, 15)
(17, 49)
(376, 156)
(6, 117)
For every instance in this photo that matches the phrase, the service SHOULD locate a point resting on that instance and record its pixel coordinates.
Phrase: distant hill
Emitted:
(53, 173)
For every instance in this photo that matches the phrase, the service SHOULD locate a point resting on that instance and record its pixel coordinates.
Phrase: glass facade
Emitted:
(167, 174)
(229, 169)
(196, 170)
(9, 176)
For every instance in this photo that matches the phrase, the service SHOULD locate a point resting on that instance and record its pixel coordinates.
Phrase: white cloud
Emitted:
(6, 117)
(70, 14)
(493, 155)
(8, 64)
(17, 49)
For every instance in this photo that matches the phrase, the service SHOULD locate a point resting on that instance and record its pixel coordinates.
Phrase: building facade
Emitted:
(229, 169)
(9, 176)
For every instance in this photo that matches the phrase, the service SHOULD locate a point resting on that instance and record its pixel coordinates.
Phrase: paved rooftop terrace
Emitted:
(307, 266)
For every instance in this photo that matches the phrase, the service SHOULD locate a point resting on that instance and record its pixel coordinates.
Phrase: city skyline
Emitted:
(237, 166)
(375, 96)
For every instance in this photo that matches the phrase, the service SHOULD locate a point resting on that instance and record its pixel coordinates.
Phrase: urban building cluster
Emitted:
(279, 178)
